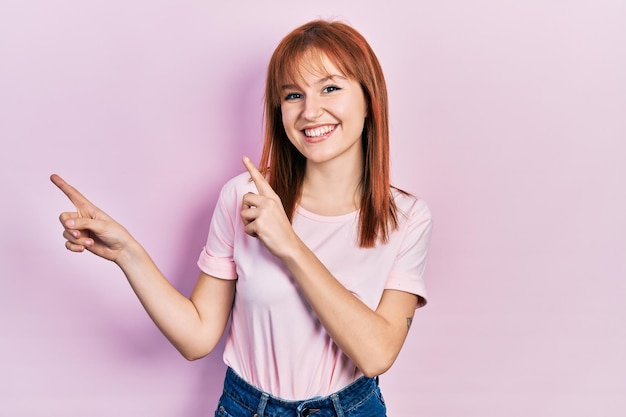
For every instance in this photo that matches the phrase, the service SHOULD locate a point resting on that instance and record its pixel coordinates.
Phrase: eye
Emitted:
(331, 88)
(293, 96)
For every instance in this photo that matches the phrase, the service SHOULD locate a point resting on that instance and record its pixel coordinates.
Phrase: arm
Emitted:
(371, 339)
(193, 325)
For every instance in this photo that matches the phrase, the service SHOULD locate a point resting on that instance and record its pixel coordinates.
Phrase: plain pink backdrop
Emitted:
(508, 117)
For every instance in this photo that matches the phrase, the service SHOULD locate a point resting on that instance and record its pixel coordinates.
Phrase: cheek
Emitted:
(356, 115)
(288, 127)
(287, 116)
(287, 130)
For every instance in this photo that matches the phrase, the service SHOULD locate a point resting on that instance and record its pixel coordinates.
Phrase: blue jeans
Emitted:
(362, 398)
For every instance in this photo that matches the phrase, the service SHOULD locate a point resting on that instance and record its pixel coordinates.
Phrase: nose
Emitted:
(313, 109)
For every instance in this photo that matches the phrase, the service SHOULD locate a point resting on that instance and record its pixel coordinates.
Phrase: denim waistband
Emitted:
(263, 404)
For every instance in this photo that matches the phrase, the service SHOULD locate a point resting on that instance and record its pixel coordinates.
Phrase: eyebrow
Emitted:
(320, 81)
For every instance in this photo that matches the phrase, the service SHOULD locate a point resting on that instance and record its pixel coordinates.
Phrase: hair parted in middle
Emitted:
(285, 166)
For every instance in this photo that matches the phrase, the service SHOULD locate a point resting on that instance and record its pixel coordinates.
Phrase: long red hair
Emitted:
(285, 166)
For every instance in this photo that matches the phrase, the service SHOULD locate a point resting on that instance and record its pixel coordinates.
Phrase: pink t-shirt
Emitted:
(275, 341)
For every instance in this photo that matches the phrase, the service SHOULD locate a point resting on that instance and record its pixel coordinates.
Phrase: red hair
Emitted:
(285, 166)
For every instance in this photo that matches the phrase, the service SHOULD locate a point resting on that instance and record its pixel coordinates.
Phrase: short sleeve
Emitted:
(407, 273)
(216, 258)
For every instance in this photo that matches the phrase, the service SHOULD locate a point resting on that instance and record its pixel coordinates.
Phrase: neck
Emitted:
(332, 188)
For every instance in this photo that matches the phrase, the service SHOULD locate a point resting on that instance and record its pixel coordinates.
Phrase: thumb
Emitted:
(73, 222)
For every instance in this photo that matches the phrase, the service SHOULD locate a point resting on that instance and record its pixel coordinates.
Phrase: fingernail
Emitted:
(88, 243)
(70, 223)
(75, 234)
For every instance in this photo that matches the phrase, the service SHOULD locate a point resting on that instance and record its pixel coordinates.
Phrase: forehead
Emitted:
(310, 65)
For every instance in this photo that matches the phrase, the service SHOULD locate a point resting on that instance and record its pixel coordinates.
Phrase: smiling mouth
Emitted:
(319, 131)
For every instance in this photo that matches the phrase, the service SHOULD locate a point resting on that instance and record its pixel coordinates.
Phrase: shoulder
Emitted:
(410, 207)
(237, 186)
(232, 192)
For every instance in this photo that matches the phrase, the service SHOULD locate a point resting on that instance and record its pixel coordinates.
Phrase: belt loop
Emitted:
(261, 409)
(337, 405)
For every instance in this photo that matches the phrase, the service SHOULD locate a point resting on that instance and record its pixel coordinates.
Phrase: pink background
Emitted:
(508, 117)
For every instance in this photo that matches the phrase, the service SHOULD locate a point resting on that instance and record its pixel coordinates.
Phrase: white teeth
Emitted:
(319, 131)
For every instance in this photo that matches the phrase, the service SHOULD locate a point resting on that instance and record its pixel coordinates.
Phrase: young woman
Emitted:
(316, 258)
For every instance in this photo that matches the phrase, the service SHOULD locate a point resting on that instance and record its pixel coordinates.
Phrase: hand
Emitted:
(89, 227)
(264, 217)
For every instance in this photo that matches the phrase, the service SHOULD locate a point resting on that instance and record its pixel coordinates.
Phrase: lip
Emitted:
(317, 139)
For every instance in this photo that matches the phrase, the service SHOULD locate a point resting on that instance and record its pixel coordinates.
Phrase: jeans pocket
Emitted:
(379, 395)
(372, 405)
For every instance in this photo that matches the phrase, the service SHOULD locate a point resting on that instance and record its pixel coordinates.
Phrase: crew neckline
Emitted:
(326, 219)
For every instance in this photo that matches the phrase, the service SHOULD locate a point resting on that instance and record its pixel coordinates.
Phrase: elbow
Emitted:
(374, 371)
(194, 353)
(197, 347)
(192, 357)
(375, 367)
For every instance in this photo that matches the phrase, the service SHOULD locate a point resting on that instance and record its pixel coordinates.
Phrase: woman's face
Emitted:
(323, 114)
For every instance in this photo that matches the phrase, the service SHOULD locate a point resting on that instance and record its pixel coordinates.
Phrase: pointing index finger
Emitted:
(72, 193)
(258, 178)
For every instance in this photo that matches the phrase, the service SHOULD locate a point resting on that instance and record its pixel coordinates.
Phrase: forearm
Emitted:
(193, 325)
(372, 339)
(173, 313)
